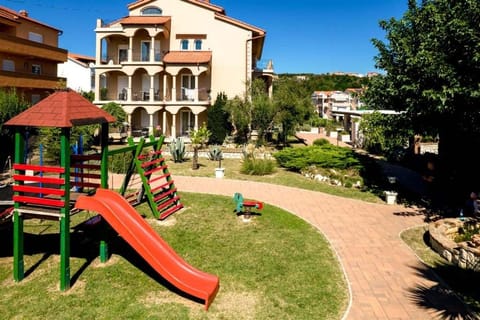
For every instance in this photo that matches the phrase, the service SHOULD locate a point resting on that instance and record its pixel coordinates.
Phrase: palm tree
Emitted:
(199, 138)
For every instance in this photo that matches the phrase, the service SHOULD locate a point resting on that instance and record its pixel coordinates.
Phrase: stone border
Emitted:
(461, 254)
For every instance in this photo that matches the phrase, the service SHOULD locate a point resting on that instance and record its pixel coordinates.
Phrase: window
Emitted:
(184, 44)
(145, 50)
(157, 51)
(152, 11)
(35, 37)
(8, 65)
(198, 44)
(122, 54)
(188, 87)
(187, 120)
(188, 81)
(36, 69)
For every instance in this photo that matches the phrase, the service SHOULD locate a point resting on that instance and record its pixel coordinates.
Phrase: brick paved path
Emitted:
(386, 279)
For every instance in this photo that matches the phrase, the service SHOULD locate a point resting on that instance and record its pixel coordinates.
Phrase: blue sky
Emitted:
(303, 36)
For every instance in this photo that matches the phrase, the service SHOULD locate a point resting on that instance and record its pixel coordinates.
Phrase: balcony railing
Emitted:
(23, 47)
(27, 80)
(183, 94)
(135, 58)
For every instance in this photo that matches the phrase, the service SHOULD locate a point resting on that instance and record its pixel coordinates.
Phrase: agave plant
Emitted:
(177, 150)
(215, 154)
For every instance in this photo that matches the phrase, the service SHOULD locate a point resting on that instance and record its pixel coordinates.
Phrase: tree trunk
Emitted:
(195, 158)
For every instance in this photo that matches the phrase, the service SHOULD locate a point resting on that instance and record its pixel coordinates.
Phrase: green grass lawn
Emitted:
(275, 267)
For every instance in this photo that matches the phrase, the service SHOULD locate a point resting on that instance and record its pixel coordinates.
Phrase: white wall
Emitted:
(77, 74)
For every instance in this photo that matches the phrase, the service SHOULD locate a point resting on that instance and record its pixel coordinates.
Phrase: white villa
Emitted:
(167, 60)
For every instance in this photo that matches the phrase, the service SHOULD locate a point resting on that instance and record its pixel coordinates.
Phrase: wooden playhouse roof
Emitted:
(62, 109)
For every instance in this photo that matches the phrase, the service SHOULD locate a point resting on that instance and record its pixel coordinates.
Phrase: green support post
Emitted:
(104, 163)
(65, 212)
(18, 263)
(104, 184)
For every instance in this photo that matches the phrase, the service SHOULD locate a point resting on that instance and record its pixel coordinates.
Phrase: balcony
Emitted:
(29, 80)
(137, 59)
(143, 97)
(23, 47)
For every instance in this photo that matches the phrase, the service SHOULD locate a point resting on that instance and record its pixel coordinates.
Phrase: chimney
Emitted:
(23, 13)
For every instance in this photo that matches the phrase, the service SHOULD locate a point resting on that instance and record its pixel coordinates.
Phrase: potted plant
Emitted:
(215, 154)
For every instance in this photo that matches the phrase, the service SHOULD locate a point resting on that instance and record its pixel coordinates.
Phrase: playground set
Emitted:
(80, 182)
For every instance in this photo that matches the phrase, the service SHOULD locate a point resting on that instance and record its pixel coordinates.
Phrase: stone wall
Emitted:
(464, 255)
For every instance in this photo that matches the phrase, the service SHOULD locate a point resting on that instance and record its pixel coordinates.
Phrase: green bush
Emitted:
(118, 163)
(256, 161)
(257, 167)
(320, 142)
(325, 156)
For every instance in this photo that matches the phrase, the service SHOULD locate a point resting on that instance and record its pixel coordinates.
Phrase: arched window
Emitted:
(184, 44)
(152, 11)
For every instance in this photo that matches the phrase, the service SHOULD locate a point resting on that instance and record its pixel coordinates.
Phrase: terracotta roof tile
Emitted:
(15, 16)
(188, 57)
(145, 20)
(62, 109)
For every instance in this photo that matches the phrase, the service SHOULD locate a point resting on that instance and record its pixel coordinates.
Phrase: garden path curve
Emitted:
(386, 279)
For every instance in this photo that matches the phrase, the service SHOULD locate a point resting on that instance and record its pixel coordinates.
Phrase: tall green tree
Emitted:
(10, 105)
(431, 61)
(217, 120)
(293, 105)
(240, 116)
(263, 113)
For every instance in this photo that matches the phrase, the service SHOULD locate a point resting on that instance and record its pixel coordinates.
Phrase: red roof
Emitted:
(188, 57)
(160, 20)
(15, 16)
(62, 109)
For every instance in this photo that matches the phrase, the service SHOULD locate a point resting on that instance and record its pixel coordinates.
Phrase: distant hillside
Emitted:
(327, 82)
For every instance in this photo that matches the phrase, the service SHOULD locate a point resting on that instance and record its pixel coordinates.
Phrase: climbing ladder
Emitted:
(157, 187)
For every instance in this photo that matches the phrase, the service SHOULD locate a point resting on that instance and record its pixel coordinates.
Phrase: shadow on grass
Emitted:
(120, 247)
(47, 245)
(83, 245)
(450, 297)
(450, 291)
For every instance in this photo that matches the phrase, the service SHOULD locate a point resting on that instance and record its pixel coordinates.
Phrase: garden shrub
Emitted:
(326, 156)
(256, 161)
(320, 142)
(119, 162)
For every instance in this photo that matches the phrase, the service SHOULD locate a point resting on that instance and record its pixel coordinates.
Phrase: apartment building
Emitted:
(167, 60)
(79, 71)
(29, 55)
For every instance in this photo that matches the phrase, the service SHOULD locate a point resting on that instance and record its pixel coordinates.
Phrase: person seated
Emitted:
(471, 205)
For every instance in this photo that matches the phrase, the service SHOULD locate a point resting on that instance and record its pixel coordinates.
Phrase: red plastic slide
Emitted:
(137, 232)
